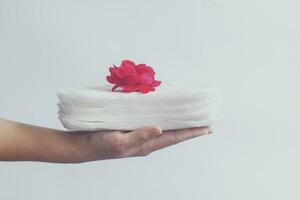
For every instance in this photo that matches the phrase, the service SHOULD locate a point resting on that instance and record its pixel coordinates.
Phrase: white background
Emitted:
(249, 49)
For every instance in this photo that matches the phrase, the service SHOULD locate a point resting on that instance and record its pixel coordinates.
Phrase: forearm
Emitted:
(31, 143)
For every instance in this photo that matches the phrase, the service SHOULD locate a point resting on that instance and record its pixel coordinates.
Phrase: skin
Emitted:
(23, 142)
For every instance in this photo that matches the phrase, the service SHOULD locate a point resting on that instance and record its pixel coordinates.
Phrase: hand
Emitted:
(140, 142)
(24, 142)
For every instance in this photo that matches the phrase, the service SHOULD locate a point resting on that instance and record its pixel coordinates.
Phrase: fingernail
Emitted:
(157, 130)
(205, 132)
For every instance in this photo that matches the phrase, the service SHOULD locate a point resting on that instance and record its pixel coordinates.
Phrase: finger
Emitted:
(172, 137)
(140, 136)
(185, 134)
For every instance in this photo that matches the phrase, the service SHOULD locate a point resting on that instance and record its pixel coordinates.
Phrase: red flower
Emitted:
(132, 77)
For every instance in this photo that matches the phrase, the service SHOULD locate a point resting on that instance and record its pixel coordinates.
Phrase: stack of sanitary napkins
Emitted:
(169, 107)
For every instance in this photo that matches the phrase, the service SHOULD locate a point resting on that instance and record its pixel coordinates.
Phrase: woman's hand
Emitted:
(140, 142)
(31, 143)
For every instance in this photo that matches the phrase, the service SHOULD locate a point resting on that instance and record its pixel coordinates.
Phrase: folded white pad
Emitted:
(169, 107)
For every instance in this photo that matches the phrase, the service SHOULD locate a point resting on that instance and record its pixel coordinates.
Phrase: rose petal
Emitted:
(129, 88)
(156, 83)
(111, 79)
(147, 78)
(144, 88)
(116, 72)
(142, 68)
(128, 68)
(115, 87)
(131, 80)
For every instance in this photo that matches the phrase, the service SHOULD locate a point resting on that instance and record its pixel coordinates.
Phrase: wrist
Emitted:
(80, 147)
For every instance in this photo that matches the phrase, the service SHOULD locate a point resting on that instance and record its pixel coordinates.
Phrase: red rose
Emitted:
(132, 77)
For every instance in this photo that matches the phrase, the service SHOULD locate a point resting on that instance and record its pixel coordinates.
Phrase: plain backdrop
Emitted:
(248, 49)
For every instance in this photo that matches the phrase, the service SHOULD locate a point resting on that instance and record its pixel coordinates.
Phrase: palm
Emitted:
(140, 142)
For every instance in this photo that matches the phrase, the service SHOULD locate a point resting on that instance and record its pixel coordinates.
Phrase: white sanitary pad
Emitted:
(169, 107)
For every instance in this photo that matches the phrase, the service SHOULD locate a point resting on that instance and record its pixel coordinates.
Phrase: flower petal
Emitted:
(143, 68)
(144, 88)
(115, 87)
(147, 78)
(111, 79)
(128, 68)
(115, 72)
(156, 83)
(129, 88)
(131, 80)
